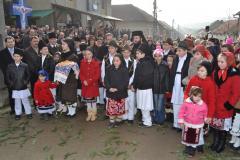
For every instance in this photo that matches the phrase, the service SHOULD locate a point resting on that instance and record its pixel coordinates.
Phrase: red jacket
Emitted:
(208, 96)
(227, 93)
(90, 72)
(42, 94)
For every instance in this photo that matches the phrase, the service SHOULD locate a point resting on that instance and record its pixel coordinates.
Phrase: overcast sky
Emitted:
(188, 12)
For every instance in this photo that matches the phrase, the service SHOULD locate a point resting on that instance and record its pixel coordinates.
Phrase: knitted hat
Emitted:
(158, 51)
(229, 40)
(43, 73)
(208, 67)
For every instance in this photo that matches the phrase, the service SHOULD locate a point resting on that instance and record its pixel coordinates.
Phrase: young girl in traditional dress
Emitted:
(227, 80)
(17, 78)
(89, 76)
(116, 83)
(67, 74)
(43, 96)
(192, 115)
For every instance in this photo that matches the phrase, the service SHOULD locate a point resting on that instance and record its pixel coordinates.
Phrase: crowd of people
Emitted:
(194, 83)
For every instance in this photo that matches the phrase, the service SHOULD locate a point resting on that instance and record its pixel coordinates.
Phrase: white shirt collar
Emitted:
(183, 58)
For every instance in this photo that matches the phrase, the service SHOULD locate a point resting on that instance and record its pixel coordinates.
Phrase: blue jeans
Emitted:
(159, 108)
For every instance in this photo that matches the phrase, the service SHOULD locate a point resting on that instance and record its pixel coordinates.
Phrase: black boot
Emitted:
(192, 152)
(215, 143)
(200, 149)
(222, 141)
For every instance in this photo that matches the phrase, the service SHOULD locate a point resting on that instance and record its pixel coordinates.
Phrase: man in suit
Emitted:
(53, 46)
(6, 57)
(31, 57)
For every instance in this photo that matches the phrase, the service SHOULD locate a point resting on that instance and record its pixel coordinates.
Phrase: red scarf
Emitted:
(223, 74)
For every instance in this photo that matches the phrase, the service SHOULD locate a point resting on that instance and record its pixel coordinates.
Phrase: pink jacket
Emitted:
(192, 115)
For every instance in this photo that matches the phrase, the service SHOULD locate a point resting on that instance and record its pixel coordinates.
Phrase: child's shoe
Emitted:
(29, 116)
(17, 117)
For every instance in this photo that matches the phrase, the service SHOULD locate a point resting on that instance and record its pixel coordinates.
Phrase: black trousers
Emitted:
(11, 100)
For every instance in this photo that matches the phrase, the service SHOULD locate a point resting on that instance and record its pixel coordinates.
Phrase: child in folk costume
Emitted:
(143, 83)
(107, 61)
(89, 76)
(130, 101)
(43, 96)
(178, 72)
(46, 61)
(192, 115)
(160, 85)
(116, 83)
(67, 74)
(227, 80)
(17, 78)
(204, 80)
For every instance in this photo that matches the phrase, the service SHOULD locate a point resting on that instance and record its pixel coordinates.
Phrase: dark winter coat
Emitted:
(48, 65)
(6, 59)
(160, 78)
(119, 79)
(17, 78)
(143, 78)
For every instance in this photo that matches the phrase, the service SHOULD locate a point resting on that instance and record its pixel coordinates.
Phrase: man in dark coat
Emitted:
(6, 58)
(53, 46)
(31, 57)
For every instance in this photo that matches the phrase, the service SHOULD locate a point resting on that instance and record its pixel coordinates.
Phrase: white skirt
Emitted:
(21, 94)
(227, 124)
(49, 110)
(177, 94)
(145, 99)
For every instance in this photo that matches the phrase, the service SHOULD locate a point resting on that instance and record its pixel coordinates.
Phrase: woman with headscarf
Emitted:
(227, 79)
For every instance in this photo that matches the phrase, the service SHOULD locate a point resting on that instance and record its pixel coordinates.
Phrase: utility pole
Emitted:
(172, 30)
(155, 21)
(2, 25)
